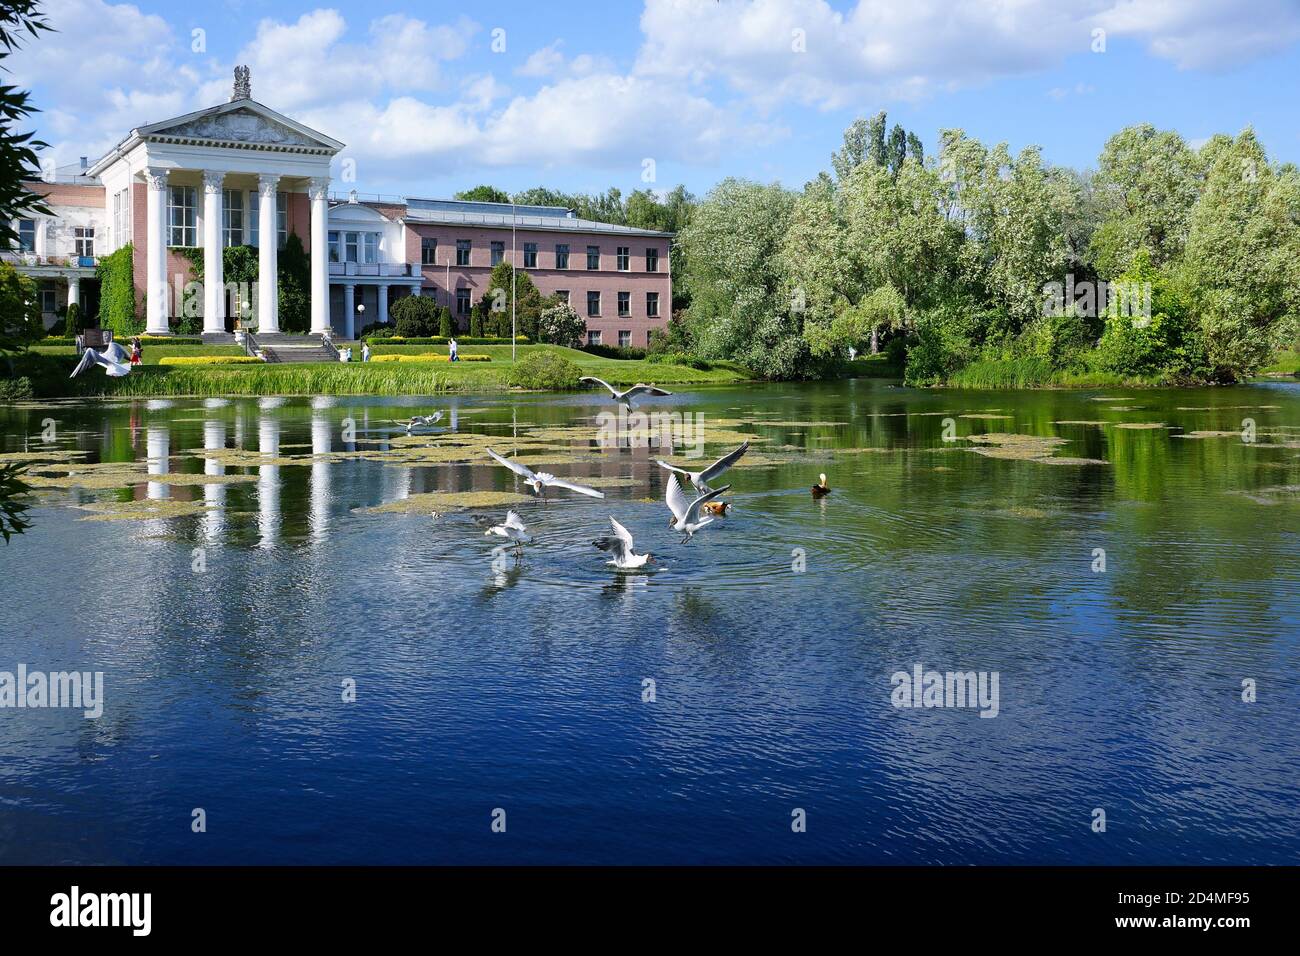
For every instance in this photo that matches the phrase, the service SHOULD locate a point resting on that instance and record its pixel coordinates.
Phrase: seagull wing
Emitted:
(693, 509)
(623, 535)
(116, 369)
(514, 521)
(723, 463)
(580, 489)
(678, 503)
(614, 545)
(115, 353)
(600, 381)
(681, 471)
(88, 358)
(523, 471)
(640, 389)
(435, 418)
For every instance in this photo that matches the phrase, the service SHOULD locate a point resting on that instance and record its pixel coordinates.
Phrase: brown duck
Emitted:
(821, 489)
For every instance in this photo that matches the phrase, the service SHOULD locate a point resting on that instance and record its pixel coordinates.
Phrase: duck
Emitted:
(821, 489)
(718, 508)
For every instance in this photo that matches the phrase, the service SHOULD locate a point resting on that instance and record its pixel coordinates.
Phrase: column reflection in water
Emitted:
(214, 495)
(268, 481)
(158, 443)
(321, 441)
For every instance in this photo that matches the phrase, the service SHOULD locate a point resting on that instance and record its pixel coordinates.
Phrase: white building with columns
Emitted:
(235, 174)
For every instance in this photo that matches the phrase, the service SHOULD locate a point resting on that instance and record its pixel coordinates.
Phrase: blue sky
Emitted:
(584, 94)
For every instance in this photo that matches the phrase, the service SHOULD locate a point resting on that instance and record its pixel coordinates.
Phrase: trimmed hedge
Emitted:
(123, 340)
(209, 360)
(441, 340)
(427, 357)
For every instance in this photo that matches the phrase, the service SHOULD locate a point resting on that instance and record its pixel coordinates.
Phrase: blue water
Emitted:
(520, 686)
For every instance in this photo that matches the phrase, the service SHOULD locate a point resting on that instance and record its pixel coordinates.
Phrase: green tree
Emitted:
(415, 316)
(1147, 182)
(496, 300)
(561, 325)
(484, 194)
(1242, 246)
(445, 326)
(20, 311)
(293, 267)
(740, 307)
(19, 19)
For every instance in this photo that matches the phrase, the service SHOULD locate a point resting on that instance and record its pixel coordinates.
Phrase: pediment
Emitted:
(242, 123)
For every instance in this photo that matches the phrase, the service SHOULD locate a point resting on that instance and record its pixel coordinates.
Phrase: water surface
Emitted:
(228, 608)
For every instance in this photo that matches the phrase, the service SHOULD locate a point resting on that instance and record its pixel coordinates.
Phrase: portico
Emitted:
(238, 174)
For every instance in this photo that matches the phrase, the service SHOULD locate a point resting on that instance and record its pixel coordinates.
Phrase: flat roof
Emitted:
(497, 215)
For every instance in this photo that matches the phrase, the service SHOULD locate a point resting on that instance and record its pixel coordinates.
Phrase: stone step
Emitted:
(296, 353)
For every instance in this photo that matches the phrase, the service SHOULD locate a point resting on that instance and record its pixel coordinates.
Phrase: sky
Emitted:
(436, 97)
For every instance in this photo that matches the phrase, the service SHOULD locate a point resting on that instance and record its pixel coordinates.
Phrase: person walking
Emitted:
(452, 352)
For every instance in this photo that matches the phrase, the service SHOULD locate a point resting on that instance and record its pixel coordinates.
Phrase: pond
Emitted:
(305, 634)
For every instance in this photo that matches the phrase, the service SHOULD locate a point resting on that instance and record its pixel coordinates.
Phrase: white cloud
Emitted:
(774, 51)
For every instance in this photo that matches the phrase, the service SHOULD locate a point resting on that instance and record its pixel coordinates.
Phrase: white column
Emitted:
(268, 481)
(214, 494)
(321, 446)
(74, 290)
(158, 443)
(349, 310)
(214, 298)
(383, 304)
(318, 190)
(156, 265)
(268, 237)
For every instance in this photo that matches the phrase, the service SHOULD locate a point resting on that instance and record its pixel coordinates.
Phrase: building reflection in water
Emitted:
(268, 481)
(158, 444)
(321, 445)
(214, 494)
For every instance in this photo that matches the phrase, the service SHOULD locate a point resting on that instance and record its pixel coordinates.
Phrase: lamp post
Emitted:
(514, 267)
(361, 315)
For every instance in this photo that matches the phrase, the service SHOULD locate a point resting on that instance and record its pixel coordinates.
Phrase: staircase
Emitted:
(296, 348)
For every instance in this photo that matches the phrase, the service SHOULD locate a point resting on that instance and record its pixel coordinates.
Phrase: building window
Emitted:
(498, 252)
(593, 258)
(180, 216)
(370, 247)
(530, 255)
(652, 260)
(83, 238)
(47, 297)
(336, 248)
(232, 217)
(562, 256)
(624, 338)
(26, 235)
(121, 219)
(462, 252)
(593, 303)
(282, 219)
(651, 304)
(593, 337)
(428, 251)
(562, 295)
(462, 301)
(624, 259)
(351, 246)
(625, 303)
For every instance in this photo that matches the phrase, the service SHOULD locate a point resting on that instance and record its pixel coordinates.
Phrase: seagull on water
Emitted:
(619, 545)
(627, 397)
(686, 513)
(701, 479)
(113, 357)
(419, 421)
(541, 480)
(513, 528)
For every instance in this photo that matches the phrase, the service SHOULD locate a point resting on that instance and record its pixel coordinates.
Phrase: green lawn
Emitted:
(48, 367)
(1286, 362)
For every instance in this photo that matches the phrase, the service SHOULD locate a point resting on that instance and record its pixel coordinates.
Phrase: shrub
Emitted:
(442, 340)
(561, 325)
(72, 321)
(20, 316)
(444, 323)
(415, 316)
(209, 360)
(377, 330)
(545, 370)
(117, 306)
(624, 353)
(16, 389)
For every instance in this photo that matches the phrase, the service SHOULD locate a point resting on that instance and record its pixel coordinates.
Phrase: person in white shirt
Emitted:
(451, 351)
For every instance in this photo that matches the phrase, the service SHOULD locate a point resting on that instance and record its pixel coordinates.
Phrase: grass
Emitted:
(49, 370)
(1033, 372)
(1285, 362)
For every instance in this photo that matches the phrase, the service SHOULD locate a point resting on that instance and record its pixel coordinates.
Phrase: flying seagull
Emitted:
(627, 397)
(541, 480)
(113, 357)
(418, 421)
(619, 545)
(701, 479)
(686, 513)
(513, 528)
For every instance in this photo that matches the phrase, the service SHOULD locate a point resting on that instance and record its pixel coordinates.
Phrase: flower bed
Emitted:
(427, 357)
